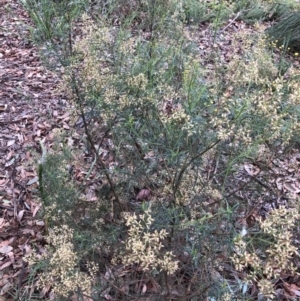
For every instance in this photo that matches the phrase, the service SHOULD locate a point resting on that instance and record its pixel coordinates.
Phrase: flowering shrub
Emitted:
(179, 128)
(275, 259)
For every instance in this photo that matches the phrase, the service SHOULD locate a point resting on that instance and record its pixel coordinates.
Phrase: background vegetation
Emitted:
(168, 129)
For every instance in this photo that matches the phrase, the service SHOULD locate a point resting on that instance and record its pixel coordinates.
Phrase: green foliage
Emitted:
(59, 194)
(253, 11)
(53, 21)
(286, 32)
(176, 129)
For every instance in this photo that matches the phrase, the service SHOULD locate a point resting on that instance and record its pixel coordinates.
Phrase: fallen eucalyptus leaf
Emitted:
(5, 249)
(32, 181)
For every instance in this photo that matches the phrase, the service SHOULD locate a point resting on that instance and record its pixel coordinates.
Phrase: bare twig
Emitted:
(231, 22)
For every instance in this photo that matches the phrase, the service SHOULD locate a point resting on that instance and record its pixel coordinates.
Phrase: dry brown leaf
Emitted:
(292, 289)
(2, 107)
(20, 215)
(7, 242)
(35, 209)
(5, 249)
(144, 289)
(10, 143)
(40, 223)
(291, 187)
(295, 291)
(10, 162)
(5, 265)
(251, 169)
(144, 194)
(3, 181)
(32, 181)
(28, 231)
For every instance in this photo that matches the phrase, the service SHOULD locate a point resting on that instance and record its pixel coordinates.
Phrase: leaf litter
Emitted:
(27, 102)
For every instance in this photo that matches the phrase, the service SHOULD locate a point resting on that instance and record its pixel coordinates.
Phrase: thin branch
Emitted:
(91, 141)
(176, 182)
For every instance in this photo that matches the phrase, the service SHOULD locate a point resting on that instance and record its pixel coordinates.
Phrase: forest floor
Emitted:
(30, 113)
